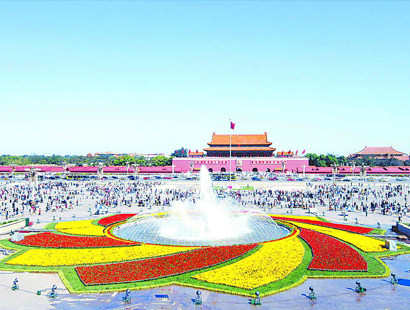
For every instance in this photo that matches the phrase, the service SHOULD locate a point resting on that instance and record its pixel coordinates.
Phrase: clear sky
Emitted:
(148, 77)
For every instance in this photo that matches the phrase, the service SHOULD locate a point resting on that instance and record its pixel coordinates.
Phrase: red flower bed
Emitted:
(350, 228)
(107, 221)
(159, 267)
(50, 240)
(332, 254)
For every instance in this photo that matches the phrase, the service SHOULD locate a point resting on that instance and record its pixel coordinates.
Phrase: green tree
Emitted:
(161, 160)
(369, 161)
(141, 161)
(325, 160)
(330, 160)
(341, 160)
(313, 158)
(123, 160)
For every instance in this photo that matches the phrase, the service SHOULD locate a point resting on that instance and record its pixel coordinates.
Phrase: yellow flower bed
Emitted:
(66, 257)
(80, 228)
(299, 217)
(364, 243)
(274, 261)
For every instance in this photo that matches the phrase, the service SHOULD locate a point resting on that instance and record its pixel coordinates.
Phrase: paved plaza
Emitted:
(332, 294)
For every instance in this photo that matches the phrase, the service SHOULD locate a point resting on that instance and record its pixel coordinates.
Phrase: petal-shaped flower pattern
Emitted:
(274, 261)
(85, 227)
(86, 256)
(161, 266)
(90, 259)
(52, 240)
(332, 254)
(350, 228)
(364, 243)
(109, 220)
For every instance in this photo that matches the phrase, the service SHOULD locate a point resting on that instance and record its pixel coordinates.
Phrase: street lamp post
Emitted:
(363, 171)
(65, 169)
(283, 166)
(32, 176)
(100, 172)
(353, 165)
(334, 170)
(13, 166)
(304, 170)
(134, 165)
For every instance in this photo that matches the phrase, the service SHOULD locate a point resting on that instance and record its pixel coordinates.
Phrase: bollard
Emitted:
(393, 279)
(257, 300)
(312, 293)
(53, 293)
(127, 298)
(198, 299)
(15, 286)
(359, 287)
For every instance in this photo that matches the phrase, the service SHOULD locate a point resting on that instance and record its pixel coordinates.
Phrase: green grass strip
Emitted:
(323, 219)
(377, 231)
(50, 226)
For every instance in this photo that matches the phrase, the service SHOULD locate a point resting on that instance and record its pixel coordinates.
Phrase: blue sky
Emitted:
(147, 77)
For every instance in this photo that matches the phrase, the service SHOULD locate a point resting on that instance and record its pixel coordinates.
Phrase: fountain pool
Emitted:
(206, 222)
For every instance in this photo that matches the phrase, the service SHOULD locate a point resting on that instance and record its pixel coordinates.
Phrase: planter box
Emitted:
(403, 229)
(16, 225)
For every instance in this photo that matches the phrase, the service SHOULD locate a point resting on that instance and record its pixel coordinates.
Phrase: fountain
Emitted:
(205, 222)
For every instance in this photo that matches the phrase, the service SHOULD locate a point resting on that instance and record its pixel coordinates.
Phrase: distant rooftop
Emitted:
(368, 150)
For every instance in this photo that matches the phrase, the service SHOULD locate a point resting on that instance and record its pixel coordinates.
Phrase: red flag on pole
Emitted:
(232, 125)
(303, 152)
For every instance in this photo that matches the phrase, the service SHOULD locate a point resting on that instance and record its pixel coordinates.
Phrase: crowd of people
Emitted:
(22, 199)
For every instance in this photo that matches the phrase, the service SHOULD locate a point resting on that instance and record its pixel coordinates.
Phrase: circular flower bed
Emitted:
(90, 259)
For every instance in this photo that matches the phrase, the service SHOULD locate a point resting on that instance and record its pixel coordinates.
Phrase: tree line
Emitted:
(79, 160)
(161, 160)
(330, 160)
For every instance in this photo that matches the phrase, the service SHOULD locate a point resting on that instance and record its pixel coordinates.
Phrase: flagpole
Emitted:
(230, 153)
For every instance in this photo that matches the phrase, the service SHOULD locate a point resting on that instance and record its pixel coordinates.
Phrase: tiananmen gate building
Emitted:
(250, 152)
(240, 145)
